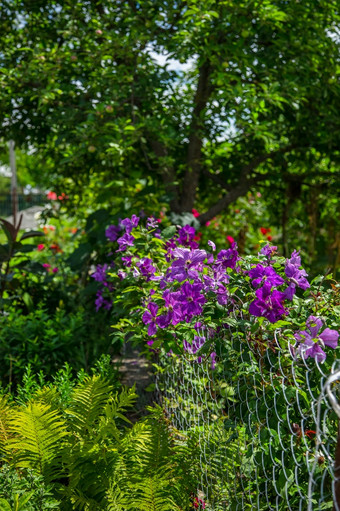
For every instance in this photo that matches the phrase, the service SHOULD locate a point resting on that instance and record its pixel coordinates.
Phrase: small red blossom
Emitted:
(195, 213)
(63, 196)
(198, 502)
(230, 239)
(52, 196)
(310, 433)
(40, 247)
(55, 247)
(207, 223)
(263, 230)
(237, 210)
(46, 266)
(269, 238)
(55, 270)
(74, 230)
(198, 236)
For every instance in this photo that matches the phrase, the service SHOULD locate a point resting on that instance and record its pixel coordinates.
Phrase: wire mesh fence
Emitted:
(24, 201)
(261, 423)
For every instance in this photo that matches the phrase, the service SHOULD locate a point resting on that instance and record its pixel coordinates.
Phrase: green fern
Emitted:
(106, 463)
(148, 494)
(38, 433)
(4, 423)
(88, 401)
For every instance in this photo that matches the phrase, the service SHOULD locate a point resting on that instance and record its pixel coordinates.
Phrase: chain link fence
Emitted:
(262, 425)
(25, 201)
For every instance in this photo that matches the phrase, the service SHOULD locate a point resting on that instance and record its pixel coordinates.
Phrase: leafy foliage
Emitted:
(199, 103)
(89, 458)
(24, 491)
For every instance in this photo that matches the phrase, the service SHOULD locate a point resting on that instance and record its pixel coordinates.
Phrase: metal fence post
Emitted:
(14, 193)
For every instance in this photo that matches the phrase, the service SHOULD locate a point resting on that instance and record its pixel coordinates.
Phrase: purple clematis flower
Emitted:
(149, 318)
(191, 300)
(173, 310)
(186, 237)
(122, 274)
(268, 304)
(197, 344)
(186, 263)
(311, 342)
(152, 223)
(212, 245)
(296, 276)
(261, 274)
(101, 302)
(213, 356)
(100, 274)
(228, 258)
(125, 241)
(146, 268)
(129, 223)
(268, 251)
(127, 261)
(112, 232)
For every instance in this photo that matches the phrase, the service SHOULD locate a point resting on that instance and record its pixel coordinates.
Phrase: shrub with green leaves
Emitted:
(47, 340)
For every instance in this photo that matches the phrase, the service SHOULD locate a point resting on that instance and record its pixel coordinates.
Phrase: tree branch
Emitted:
(168, 173)
(244, 183)
(193, 170)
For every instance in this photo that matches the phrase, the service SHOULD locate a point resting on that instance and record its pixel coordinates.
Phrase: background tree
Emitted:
(250, 102)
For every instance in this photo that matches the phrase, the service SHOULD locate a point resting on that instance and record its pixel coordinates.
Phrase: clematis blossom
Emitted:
(311, 342)
(150, 318)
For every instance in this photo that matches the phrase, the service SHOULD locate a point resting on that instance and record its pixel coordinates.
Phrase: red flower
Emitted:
(198, 502)
(195, 213)
(263, 230)
(55, 247)
(63, 196)
(41, 247)
(310, 433)
(198, 236)
(230, 239)
(207, 223)
(269, 238)
(52, 196)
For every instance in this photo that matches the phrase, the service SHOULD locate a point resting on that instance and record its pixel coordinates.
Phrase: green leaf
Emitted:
(4, 505)
(168, 232)
(31, 234)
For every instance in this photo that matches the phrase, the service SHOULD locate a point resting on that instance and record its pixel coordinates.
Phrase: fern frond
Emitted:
(120, 402)
(83, 503)
(5, 411)
(49, 396)
(152, 494)
(117, 495)
(116, 405)
(38, 432)
(88, 402)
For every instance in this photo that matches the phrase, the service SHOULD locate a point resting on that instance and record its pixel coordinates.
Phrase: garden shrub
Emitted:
(47, 340)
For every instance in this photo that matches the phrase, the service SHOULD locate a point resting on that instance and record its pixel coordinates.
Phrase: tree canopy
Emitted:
(206, 99)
